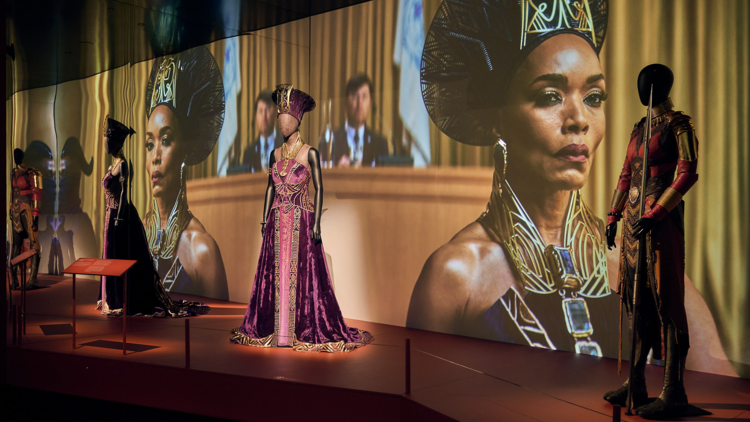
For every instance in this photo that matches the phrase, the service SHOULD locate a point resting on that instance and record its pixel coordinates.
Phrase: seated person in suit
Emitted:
(354, 144)
(256, 155)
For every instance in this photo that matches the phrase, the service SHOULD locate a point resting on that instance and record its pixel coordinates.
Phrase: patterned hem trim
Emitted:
(184, 309)
(330, 347)
(118, 313)
(111, 312)
(239, 338)
(334, 346)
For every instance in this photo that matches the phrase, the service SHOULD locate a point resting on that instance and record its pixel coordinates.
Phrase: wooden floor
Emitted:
(452, 377)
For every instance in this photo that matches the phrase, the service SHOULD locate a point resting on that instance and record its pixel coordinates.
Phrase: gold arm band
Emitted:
(36, 178)
(669, 199)
(687, 145)
(619, 198)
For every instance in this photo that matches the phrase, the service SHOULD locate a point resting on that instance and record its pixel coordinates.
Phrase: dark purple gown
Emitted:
(292, 301)
(127, 240)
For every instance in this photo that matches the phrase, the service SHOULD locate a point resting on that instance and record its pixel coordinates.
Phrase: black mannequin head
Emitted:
(658, 75)
(18, 156)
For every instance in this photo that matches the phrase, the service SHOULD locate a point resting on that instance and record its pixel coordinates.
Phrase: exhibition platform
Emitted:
(452, 377)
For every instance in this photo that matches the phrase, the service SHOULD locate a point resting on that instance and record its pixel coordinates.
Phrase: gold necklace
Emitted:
(163, 243)
(509, 221)
(286, 154)
(576, 271)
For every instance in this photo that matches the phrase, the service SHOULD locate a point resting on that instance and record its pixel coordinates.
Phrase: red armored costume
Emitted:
(26, 184)
(661, 322)
(673, 146)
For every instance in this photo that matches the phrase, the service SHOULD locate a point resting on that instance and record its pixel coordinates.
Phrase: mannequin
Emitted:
(26, 184)
(292, 302)
(125, 238)
(673, 148)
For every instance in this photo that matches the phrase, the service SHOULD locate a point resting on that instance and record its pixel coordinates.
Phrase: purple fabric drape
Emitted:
(318, 322)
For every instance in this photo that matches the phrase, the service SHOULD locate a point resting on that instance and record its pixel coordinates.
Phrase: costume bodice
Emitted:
(21, 179)
(662, 156)
(112, 189)
(291, 190)
(23, 185)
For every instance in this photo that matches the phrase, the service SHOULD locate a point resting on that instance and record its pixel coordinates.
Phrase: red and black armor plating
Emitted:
(672, 166)
(26, 183)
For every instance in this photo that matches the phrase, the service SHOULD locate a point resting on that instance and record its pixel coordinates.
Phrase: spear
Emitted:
(641, 248)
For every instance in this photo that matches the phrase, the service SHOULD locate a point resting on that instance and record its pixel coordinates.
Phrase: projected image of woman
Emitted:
(185, 109)
(534, 268)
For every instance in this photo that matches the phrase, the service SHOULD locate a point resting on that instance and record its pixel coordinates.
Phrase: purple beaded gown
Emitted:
(127, 240)
(292, 301)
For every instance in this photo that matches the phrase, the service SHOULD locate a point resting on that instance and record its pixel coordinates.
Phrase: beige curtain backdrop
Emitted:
(705, 43)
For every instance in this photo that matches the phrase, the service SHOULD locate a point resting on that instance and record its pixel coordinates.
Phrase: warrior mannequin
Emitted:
(26, 184)
(672, 163)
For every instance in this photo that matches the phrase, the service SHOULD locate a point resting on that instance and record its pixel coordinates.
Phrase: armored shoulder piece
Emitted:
(35, 176)
(684, 131)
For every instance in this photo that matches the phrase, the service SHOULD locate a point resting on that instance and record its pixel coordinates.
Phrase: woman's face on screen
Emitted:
(553, 120)
(165, 151)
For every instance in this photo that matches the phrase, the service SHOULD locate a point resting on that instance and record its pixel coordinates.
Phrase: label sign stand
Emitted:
(103, 267)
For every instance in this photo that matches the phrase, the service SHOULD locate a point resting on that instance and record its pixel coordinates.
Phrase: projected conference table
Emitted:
(379, 226)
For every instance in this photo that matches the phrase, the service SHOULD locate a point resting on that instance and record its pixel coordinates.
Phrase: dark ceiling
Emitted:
(58, 41)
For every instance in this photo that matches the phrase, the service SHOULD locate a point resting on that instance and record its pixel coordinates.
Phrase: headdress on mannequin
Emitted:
(292, 101)
(117, 133)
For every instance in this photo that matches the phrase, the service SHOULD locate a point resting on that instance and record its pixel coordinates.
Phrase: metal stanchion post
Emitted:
(14, 324)
(408, 366)
(10, 288)
(124, 310)
(74, 311)
(23, 296)
(187, 343)
(20, 330)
